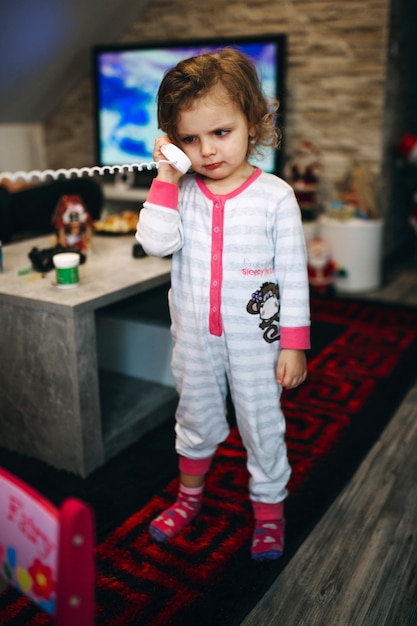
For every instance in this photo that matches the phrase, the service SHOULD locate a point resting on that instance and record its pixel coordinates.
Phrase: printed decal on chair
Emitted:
(29, 544)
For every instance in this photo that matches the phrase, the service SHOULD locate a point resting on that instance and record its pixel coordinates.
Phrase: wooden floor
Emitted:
(359, 565)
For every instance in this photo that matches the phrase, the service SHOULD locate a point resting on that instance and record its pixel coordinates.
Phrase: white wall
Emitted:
(22, 147)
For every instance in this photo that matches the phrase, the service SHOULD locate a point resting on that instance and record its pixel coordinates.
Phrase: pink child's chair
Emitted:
(48, 553)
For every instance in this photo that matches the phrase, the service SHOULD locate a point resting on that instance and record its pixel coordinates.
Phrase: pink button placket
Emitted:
(215, 321)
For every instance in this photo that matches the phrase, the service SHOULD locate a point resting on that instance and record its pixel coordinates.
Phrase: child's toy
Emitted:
(302, 172)
(48, 553)
(321, 269)
(73, 223)
(358, 193)
(42, 259)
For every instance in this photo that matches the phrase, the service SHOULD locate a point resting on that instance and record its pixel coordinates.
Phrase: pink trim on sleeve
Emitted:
(163, 194)
(295, 338)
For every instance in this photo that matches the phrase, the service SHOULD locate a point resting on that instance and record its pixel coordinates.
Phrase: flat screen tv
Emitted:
(126, 81)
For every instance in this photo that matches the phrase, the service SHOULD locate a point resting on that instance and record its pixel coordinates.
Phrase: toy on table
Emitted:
(321, 268)
(73, 224)
(358, 193)
(302, 172)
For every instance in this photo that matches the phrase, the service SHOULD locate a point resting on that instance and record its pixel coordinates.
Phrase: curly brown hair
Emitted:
(195, 77)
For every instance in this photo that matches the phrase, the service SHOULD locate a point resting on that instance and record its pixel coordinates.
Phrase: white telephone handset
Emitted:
(177, 157)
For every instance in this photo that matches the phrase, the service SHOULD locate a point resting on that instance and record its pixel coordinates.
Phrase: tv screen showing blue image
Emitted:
(127, 80)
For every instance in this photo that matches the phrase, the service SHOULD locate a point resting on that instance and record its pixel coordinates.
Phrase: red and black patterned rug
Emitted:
(363, 360)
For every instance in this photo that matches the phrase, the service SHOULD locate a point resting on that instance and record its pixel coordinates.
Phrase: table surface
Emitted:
(109, 274)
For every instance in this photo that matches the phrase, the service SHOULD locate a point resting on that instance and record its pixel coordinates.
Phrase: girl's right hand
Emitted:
(167, 173)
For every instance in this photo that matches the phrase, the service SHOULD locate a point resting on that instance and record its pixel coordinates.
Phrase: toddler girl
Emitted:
(239, 298)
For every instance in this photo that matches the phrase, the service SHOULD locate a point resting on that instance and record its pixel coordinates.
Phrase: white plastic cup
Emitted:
(66, 264)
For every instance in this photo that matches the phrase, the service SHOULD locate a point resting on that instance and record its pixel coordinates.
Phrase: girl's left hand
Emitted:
(291, 368)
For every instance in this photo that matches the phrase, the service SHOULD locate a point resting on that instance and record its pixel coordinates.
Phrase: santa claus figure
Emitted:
(302, 172)
(408, 148)
(321, 269)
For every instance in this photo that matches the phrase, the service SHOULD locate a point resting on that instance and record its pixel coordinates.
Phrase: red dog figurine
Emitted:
(73, 223)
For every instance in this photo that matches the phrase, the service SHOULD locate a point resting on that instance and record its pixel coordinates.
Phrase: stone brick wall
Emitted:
(336, 73)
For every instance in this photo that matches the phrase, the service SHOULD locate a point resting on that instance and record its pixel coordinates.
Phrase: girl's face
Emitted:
(214, 133)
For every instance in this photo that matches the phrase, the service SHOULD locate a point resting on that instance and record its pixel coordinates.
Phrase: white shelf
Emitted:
(125, 194)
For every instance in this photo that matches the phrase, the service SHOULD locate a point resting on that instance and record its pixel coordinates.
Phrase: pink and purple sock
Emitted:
(188, 503)
(171, 521)
(268, 535)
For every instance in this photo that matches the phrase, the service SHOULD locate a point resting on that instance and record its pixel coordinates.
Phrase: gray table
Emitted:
(55, 404)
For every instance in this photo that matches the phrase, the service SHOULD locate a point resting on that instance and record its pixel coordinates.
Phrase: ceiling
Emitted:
(45, 49)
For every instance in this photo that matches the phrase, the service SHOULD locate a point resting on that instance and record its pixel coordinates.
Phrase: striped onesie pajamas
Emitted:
(239, 293)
